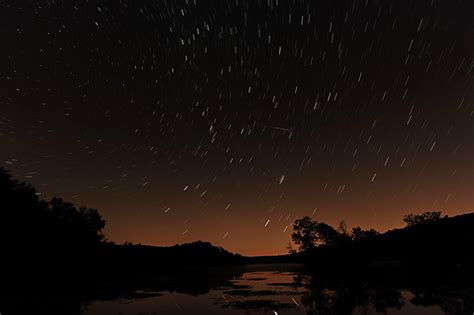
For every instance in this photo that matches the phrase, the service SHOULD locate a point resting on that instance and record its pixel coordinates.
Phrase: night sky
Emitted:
(225, 120)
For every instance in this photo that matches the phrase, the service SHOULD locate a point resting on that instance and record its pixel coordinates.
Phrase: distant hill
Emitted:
(131, 258)
(58, 245)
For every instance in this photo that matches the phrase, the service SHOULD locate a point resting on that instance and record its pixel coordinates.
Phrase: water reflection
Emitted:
(274, 290)
(262, 289)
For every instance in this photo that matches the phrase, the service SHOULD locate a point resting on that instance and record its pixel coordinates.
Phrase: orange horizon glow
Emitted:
(261, 241)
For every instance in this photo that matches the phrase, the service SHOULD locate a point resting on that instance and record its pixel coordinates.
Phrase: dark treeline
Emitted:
(45, 244)
(431, 249)
(55, 246)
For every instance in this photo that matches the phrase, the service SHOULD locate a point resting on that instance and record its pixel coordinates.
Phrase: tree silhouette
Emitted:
(308, 234)
(426, 217)
(48, 243)
(93, 220)
(86, 222)
(359, 234)
(304, 233)
(344, 236)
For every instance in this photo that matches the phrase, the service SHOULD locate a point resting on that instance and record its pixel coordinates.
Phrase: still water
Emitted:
(269, 290)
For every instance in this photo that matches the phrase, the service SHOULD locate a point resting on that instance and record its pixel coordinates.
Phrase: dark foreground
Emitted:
(55, 260)
(257, 289)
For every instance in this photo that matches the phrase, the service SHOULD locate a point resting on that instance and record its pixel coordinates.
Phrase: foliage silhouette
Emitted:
(48, 244)
(308, 234)
(430, 249)
(71, 246)
(358, 234)
(426, 217)
(55, 247)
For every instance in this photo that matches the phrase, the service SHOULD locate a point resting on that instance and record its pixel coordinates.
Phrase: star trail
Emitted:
(227, 120)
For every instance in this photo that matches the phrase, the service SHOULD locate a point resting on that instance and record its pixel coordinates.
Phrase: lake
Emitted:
(266, 289)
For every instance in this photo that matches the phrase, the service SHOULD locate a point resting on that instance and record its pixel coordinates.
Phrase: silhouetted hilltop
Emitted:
(439, 250)
(137, 258)
(58, 245)
(452, 236)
